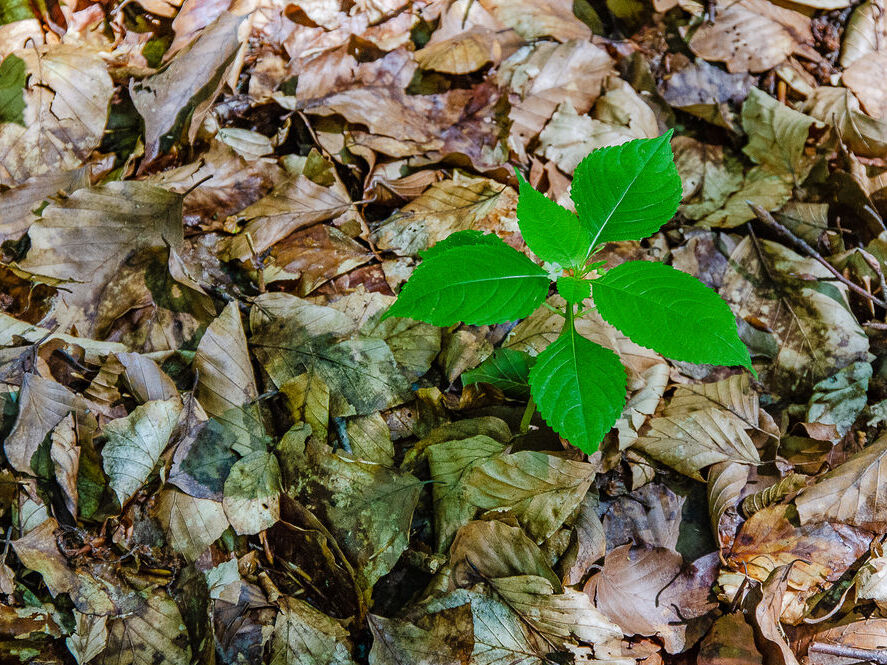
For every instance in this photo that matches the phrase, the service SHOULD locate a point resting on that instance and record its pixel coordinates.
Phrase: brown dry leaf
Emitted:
(869, 635)
(852, 493)
(865, 33)
(18, 203)
(466, 53)
(810, 322)
(303, 635)
(751, 35)
(540, 490)
(726, 481)
(545, 75)
(837, 107)
(83, 239)
(870, 582)
(729, 642)
(489, 549)
(190, 524)
(766, 601)
(151, 634)
(292, 205)
(461, 203)
(190, 82)
(557, 616)
(640, 587)
(66, 108)
(226, 384)
(691, 441)
(821, 553)
(43, 404)
(539, 18)
(314, 256)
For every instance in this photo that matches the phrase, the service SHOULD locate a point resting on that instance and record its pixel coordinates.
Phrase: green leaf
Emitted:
(626, 192)
(579, 388)
(573, 289)
(459, 239)
(670, 312)
(480, 283)
(550, 230)
(12, 86)
(507, 369)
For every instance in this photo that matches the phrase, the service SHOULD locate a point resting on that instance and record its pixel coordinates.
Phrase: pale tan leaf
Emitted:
(66, 99)
(539, 18)
(865, 33)
(863, 79)
(852, 493)
(865, 135)
(226, 385)
(18, 203)
(309, 401)
(751, 35)
(305, 636)
(252, 493)
(154, 634)
(11, 328)
(868, 634)
(547, 74)
(248, 144)
(870, 582)
(540, 490)
(462, 54)
(370, 439)
(135, 443)
(569, 137)
(491, 549)
(726, 481)
(65, 455)
(462, 203)
(145, 378)
(89, 638)
(43, 404)
(191, 525)
(689, 442)
(559, 616)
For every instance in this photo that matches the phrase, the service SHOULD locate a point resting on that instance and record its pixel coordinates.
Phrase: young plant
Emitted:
(624, 192)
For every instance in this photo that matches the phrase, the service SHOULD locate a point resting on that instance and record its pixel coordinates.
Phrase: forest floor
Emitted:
(215, 449)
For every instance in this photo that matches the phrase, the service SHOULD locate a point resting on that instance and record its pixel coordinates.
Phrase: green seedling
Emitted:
(624, 192)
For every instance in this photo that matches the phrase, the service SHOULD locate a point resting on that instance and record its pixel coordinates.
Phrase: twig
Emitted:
(877, 656)
(768, 219)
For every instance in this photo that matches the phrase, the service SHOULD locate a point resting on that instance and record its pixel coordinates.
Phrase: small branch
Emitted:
(768, 219)
(877, 656)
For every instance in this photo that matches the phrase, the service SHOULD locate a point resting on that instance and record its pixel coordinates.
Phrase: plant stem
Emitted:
(528, 416)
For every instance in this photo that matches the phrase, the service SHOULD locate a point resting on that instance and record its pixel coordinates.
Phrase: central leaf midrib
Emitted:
(622, 198)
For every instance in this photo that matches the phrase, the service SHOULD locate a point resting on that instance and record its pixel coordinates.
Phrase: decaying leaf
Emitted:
(852, 493)
(751, 35)
(304, 636)
(252, 493)
(191, 525)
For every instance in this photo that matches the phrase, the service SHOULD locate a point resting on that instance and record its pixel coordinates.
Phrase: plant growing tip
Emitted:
(624, 192)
